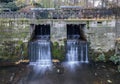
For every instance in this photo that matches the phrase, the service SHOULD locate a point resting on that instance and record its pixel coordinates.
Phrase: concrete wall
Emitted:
(14, 36)
(100, 34)
(58, 31)
(14, 29)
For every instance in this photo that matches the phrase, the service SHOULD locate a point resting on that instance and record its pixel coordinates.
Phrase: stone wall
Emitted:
(14, 36)
(101, 35)
(14, 29)
(58, 32)
(57, 29)
(118, 28)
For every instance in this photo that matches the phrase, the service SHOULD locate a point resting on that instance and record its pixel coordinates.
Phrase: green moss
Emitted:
(58, 52)
(13, 50)
(9, 48)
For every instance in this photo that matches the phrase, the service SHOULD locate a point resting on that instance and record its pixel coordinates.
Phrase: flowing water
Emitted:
(83, 51)
(77, 52)
(40, 55)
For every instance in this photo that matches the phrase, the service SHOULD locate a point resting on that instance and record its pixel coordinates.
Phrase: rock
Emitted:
(107, 75)
(58, 70)
(2, 80)
(103, 66)
(98, 68)
(11, 78)
(112, 70)
(96, 74)
(109, 81)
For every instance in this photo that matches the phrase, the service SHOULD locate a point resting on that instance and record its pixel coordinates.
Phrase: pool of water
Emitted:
(83, 74)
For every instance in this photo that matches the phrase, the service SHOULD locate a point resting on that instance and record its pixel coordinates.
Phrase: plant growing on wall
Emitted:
(101, 57)
(8, 50)
(13, 50)
(58, 52)
(116, 60)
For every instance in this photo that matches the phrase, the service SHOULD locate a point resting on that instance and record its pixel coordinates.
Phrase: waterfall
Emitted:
(83, 49)
(40, 55)
(72, 54)
(72, 51)
(81, 54)
(77, 52)
(86, 60)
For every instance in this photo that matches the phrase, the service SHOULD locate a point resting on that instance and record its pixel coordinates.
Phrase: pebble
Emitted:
(109, 81)
(107, 75)
(58, 70)
(96, 74)
(11, 78)
(103, 66)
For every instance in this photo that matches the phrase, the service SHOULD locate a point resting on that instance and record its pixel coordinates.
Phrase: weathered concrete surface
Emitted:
(14, 29)
(14, 35)
(58, 32)
(118, 28)
(101, 34)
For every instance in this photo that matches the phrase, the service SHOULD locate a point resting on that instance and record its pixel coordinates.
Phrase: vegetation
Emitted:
(6, 1)
(58, 52)
(116, 60)
(11, 5)
(106, 57)
(15, 5)
(12, 45)
(13, 51)
(101, 57)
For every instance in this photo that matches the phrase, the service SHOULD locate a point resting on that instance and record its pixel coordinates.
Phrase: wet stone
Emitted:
(109, 81)
(96, 74)
(107, 75)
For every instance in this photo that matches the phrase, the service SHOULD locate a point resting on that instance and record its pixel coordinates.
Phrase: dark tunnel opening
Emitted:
(41, 31)
(76, 31)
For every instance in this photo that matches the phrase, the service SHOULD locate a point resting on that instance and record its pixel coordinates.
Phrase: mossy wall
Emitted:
(58, 51)
(14, 35)
(101, 37)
